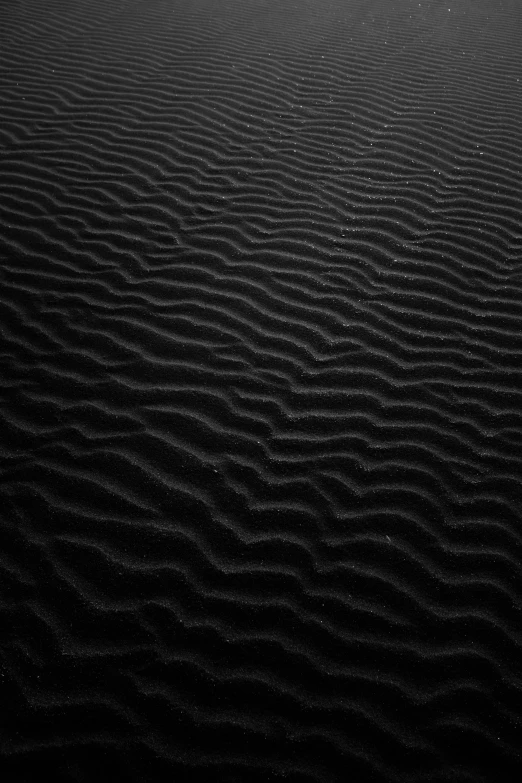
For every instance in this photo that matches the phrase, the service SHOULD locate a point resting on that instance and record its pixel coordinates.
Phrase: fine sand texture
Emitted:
(261, 391)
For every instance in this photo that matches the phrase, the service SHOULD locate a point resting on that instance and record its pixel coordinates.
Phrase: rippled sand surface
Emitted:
(261, 391)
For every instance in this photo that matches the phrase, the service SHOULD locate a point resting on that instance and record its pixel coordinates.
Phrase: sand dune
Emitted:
(261, 397)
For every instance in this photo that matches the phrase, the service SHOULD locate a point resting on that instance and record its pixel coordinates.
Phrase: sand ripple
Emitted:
(261, 398)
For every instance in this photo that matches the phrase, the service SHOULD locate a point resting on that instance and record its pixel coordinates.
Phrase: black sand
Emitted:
(261, 390)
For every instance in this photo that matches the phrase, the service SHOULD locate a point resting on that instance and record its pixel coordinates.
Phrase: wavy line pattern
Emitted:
(261, 398)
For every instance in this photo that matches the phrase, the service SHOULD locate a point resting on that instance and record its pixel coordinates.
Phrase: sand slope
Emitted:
(261, 397)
